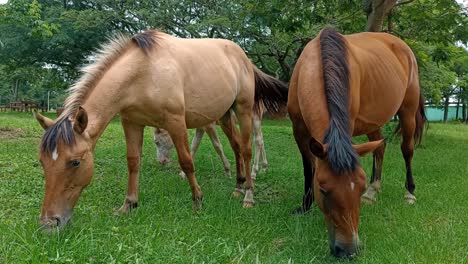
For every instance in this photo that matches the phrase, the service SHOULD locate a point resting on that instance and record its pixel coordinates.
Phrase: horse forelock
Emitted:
(61, 130)
(340, 152)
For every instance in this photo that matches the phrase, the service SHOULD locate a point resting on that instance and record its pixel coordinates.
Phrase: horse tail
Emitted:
(270, 93)
(340, 152)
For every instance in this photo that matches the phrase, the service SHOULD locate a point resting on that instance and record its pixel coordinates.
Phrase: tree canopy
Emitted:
(44, 42)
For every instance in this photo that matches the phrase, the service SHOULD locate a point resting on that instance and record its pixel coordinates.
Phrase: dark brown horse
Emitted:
(344, 86)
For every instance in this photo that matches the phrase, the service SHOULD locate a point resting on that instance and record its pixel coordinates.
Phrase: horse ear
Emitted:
(81, 121)
(43, 121)
(317, 148)
(365, 148)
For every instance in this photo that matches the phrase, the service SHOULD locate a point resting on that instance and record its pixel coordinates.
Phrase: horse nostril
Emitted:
(56, 220)
(339, 251)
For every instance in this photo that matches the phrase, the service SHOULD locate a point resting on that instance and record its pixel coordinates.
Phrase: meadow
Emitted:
(164, 229)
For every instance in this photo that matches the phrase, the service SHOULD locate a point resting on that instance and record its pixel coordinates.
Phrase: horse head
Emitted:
(66, 155)
(338, 196)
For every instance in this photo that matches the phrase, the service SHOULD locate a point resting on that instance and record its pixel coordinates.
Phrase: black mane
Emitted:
(340, 153)
(146, 40)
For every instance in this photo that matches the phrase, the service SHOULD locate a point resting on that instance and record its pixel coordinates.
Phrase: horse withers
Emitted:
(344, 86)
(161, 81)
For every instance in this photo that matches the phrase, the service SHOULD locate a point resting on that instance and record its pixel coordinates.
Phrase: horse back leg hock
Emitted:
(376, 179)
(180, 139)
(408, 126)
(244, 115)
(213, 134)
(228, 127)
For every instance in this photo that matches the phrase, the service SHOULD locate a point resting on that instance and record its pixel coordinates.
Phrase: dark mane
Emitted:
(61, 130)
(340, 153)
(146, 40)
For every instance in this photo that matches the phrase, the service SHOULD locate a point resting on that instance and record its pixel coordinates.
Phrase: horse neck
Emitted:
(105, 101)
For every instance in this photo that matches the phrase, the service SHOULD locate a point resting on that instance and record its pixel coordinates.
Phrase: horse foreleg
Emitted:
(302, 137)
(213, 134)
(229, 129)
(245, 123)
(178, 132)
(134, 141)
(376, 179)
(408, 126)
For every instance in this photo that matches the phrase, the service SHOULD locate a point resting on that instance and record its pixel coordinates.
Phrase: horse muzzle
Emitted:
(344, 250)
(55, 221)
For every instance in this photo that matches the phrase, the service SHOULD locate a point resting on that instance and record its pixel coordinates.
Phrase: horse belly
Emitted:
(207, 103)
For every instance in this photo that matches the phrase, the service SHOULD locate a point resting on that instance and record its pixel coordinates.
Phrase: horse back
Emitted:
(383, 74)
(202, 77)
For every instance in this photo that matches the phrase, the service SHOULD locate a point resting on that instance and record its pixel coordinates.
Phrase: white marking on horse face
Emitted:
(352, 186)
(55, 154)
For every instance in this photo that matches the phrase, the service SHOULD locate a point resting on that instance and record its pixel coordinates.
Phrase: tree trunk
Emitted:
(15, 90)
(458, 105)
(377, 11)
(446, 108)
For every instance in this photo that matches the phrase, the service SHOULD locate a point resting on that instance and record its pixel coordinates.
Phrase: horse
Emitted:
(152, 79)
(344, 86)
(164, 145)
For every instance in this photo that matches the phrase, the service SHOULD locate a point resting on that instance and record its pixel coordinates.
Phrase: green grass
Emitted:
(165, 230)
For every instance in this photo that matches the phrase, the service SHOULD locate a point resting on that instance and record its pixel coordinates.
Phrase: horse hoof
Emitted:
(182, 175)
(368, 200)
(237, 193)
(410, 198)
(300, 210)
(197, 204)
(126, 208)
(246, 204)
(254, 176)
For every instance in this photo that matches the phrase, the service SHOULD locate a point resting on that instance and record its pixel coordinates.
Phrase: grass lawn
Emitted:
(165, 230)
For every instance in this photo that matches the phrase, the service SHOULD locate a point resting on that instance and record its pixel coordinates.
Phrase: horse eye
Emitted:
(75, 163)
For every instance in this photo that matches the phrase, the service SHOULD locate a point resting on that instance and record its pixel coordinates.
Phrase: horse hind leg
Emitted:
(229, 129)
(244, 115)
(213, 134)
(178, 132)
(376, 179)
(408, 126)
(258, 142)
(199, 132)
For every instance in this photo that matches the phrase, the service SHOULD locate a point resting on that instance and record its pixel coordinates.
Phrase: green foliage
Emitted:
(57, 36)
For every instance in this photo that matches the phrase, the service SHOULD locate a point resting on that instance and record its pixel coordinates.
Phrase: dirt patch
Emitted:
(10, 133)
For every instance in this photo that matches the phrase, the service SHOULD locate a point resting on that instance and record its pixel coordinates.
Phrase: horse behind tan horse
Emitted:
(164, 144)
(345, 86)
(157, 80)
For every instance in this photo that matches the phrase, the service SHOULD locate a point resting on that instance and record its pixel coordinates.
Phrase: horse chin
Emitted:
(340, 249)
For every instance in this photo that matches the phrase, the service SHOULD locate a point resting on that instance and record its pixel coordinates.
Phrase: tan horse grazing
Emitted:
(344, 86)
(157, 80)
(164, 144)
